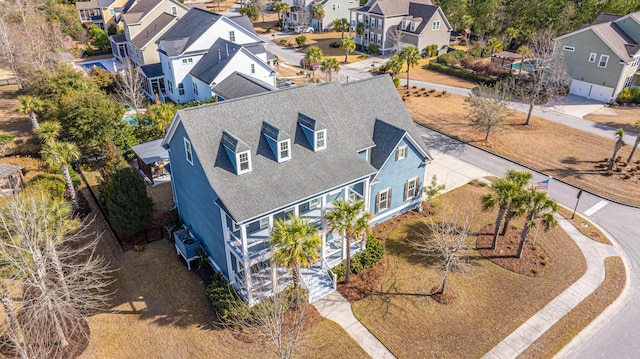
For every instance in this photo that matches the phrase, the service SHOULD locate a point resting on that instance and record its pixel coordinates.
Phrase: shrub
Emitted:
(226, 299)
(52, 183)
(368, 258)
(468, 62)
(475, 52)
(300, 40)
(629, 95)
(461, 73)
(396, 82)
(268, 30)
(451, 57)
(608, 173)
(444, 92)
(373, 49)
(535, 271)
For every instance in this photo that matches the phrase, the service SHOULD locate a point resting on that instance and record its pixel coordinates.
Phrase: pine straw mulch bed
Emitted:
(309, 321)
(534, 260)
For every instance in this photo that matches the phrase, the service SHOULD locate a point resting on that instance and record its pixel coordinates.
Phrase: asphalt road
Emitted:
(620, 336)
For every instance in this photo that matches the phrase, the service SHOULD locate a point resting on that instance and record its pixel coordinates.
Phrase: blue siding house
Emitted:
(240, 165)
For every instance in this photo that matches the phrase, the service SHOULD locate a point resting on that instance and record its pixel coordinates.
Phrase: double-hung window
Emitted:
(181, 89)
(244, 164)
(284, 152)
(435, 26)
(383, 200)
(232, 36)
(187, 151)
(604, 59)
(592, 57)
(401, 153)
(253, 68)
(411, 188)
(321, 142)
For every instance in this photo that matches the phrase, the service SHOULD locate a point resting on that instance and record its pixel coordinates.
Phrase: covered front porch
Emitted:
(153, 84)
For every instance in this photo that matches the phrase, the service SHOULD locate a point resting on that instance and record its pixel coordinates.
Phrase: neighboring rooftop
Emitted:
(152, 70)
(390, 7)
(604, 17)
(152, 30)
(349, 113)
(238, 85)
(7, 169)
(218, 56)
(186, 31)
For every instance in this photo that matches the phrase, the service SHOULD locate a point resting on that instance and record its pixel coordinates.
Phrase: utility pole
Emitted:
(577, 201)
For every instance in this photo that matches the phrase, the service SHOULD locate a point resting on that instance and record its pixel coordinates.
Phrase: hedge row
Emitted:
(461, 73)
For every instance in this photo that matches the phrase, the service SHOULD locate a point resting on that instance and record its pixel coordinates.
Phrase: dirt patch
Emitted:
(558, 150)
(533, 262)
(561, 333)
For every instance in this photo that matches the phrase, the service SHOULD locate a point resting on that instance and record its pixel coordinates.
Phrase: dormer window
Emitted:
(320, 141)
(404, 24)
(284, 153)
(244, 162)
(413, 25)
(174, 10)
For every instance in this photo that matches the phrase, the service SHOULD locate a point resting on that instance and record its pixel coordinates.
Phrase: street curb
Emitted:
(527, 167)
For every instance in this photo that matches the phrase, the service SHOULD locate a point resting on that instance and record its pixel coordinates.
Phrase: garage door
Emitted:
(580, 88)
(601, 93)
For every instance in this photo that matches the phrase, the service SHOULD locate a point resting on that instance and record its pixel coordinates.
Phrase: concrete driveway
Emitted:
(577, 106)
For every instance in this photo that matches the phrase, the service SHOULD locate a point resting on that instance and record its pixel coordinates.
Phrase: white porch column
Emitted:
(227, 243)
(247, 264)
(323, 229)
(366, 194)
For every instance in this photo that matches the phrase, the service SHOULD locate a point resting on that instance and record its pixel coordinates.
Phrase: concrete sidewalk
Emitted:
(335, 307)
(595, 254)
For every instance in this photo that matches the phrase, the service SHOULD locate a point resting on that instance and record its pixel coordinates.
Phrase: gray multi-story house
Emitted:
(603, 58)
(393, 24)
(302, 12)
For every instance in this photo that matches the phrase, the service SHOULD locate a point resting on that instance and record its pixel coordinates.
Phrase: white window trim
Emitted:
(412, 26)
(232, 36)
(188, 150)
(288, 157)
(315, 140)
(402, 153)
(234, 226)
(606, 61)
(404, 24)
(568, 48)
(239, 165)
(262, 223)
(435, 26)
(592, 57)
(187, 61)
(386, 201)
(415, 188)
(314, 203)
(174, 10)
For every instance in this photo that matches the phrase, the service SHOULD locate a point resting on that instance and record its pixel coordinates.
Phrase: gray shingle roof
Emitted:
(244, 22)
(424, 12)
(386, 137)
(152, 30)
(152, 70)
(615, 38)
(105, 3)
(239, 85)
(7, 169)
(349, 112)
(391, 7)
(118, 38)
(187, 30)
(210, 65)
(91, 4)
(604, 17)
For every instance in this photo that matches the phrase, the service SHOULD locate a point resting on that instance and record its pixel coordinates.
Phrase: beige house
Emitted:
(602, 58)
(392, 24)
(103, 13)
(144, 23)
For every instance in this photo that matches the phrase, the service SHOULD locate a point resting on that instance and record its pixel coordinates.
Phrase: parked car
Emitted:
(304, 29)
(285, 83)
(307, 66)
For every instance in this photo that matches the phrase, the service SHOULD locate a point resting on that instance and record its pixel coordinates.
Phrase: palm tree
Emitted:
(411, 55)
(49, 131)
(526, 52)
(538, 205)
(494, 45)
(330, 65)
(318, 13)
(504, 193)
(281, 7)
(341, 25)
(29, 105)
(520, 179)
(360, 32)
(62, 154)
(348, 44)
(312, 57)
(395, 64)
(352, 222)
(296, 244)
(619, 143)
(635, 144)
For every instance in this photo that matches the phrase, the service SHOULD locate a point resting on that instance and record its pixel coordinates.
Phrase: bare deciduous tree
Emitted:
(273, 322)
(396, 38)
(489, 109)
(51, 276)
(546, 82)
(129, 85)
(444, 242)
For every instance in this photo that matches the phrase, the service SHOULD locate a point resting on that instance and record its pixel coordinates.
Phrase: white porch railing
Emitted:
(325, 266)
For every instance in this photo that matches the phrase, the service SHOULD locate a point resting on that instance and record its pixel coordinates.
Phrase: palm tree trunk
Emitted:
(633, 150)
(507, 219)
(34, 120)
(408, 67)
(524, 235)
(348, 264)
(346, 57)
(501, 211)
(296, 285)
(528, 121)
(70, 188)
(613, 157)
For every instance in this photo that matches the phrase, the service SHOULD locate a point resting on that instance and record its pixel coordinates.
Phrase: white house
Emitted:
(189, 41)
